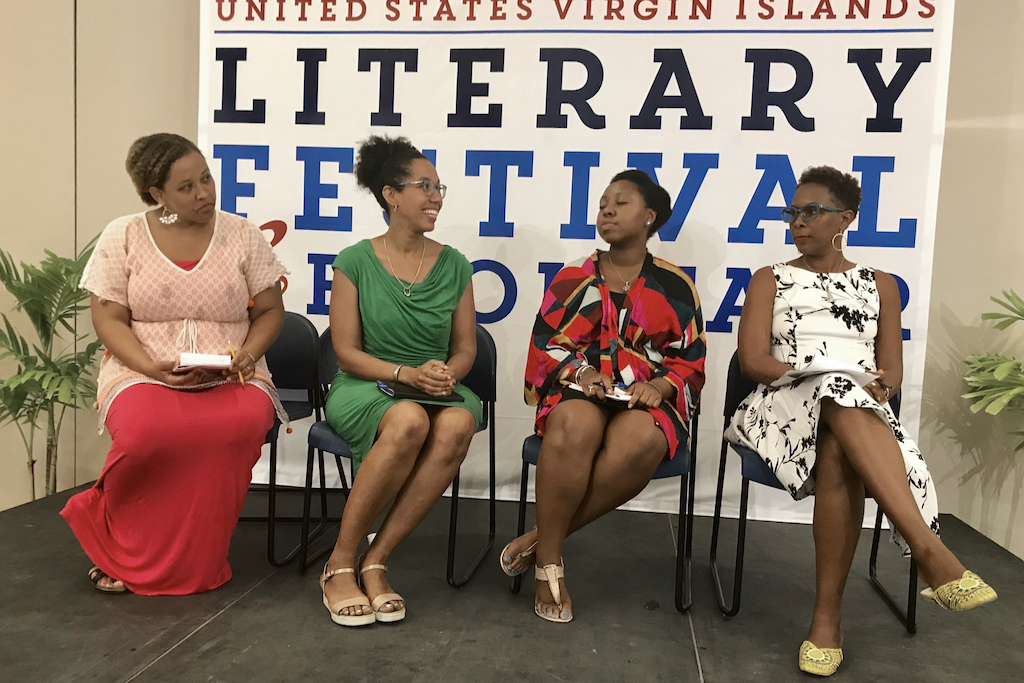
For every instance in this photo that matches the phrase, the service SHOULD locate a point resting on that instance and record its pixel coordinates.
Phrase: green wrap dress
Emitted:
(398, 329)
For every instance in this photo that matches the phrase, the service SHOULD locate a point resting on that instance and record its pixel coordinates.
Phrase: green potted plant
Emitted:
(52, 373)
(998, 381)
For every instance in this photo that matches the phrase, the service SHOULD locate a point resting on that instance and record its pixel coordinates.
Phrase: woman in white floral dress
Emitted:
(825, 434)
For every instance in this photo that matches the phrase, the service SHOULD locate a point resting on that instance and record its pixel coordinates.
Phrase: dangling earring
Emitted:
(840, 236)
(167, 218)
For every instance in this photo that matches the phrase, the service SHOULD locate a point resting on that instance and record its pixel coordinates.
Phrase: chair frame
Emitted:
(738, 388)
(482, 380)
(684, 532)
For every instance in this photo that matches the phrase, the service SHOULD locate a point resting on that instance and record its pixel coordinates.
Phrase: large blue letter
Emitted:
(778, 172)
(229, 111)
(508, 281)
(385, 114)
(867, 61)
(904, 290)
(313, 190)
(698, 165)
(673, 66)
(867, 234)
(761, 97)
(466, 89)
(321, 283)
(549, 269)
(498, 161)
(310, 114)
(577, 228)
(230, 188)
(739, 278)
(578, 99)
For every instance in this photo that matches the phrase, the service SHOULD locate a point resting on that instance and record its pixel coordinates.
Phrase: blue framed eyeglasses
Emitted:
(808, 212)
(429, 187)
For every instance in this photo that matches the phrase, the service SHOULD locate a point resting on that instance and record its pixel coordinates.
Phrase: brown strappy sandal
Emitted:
(96, 575)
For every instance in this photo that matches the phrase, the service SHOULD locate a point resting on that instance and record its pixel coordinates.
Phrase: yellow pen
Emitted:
(232, 350)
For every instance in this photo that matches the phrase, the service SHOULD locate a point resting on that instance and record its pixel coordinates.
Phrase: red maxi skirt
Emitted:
(161, 515)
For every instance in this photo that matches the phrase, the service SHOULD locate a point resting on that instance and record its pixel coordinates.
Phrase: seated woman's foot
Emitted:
(547, 605)
(104, 583)
(517, 556)
(825, 633)
(388, 605)
(347, 604)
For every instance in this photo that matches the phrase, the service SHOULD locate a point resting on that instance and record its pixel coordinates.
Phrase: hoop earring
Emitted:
(840, 236)
(168, 218)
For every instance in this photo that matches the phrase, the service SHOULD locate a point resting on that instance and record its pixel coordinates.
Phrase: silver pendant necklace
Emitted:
(406, 289)
(626, 284)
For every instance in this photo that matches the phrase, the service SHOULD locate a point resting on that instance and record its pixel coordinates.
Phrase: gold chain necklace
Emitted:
(842, 260)
(626, 284)
(407, 290)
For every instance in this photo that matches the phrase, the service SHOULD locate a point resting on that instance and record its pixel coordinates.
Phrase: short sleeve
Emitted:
(350, 260)
(463, 270)
(261, 267)
(106, 272)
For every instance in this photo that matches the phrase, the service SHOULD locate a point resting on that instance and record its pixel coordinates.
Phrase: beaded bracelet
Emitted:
(652, 384)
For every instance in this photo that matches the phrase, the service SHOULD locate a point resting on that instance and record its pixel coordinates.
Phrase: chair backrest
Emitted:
(292, 356)
(327, 360)
(737, 386)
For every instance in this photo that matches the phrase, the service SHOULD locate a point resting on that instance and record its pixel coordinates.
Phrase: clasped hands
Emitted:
(433, 377)
(599, 386)
(878, 389)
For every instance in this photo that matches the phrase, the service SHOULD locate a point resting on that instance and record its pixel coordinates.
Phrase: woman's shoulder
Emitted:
(670, 269)
(232, 223)
(125, 229)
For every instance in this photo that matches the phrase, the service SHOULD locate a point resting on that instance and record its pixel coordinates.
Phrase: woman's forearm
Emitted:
(121, 342)
(762, 368)
(460, 364)
(263, 330)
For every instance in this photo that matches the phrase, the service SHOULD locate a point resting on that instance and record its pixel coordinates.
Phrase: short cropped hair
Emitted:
(655, 196)
(150, 159)
(843, 187)
(383, 161)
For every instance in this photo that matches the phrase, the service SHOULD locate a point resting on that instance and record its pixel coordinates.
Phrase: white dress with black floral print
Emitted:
(835, 315)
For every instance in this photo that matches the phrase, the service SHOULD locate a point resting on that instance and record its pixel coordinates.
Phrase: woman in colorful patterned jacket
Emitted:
(615, 368)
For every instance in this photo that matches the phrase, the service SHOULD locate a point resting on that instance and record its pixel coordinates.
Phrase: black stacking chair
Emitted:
(482, 380)
(754, 469)
(292, 363)
(682, 465)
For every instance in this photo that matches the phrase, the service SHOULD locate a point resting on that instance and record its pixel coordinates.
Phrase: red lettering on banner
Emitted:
(698, 4)
(231, 10)
(524, 5)
(864, 8)
(741, 14)
(278, 228)
(588, 15)
(302, 5)
(419, 6)
(444, 9)
(472, 8)
(768, 11)
(929, 10)
(362, 13)
(651, 11)
(614, 9)
(790, 14)
(562, 12)
(328, 11)
(497, 13)
(824, 6)
(889, 14)
(280, 10)
(391, 8)
(253, 11)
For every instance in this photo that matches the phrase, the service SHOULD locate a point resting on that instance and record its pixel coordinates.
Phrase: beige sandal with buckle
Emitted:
(383, 599)
(336, 616)
(552, 573)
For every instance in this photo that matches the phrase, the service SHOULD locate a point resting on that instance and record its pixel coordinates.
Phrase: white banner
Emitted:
(528, 107)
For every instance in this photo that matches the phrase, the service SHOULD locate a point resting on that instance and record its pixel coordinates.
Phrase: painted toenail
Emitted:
(565, 615)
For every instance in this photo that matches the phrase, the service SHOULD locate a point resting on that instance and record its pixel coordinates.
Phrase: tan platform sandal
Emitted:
(552, 573)
(336, 616)
(383, 599)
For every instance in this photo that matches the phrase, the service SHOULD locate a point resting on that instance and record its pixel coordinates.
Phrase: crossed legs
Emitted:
(588, 465)
(857, 451)
(415, 457)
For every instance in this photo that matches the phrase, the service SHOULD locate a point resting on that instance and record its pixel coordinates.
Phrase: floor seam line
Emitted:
(199, 628)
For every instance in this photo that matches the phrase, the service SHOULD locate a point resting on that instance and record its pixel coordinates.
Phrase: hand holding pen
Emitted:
(242, 363)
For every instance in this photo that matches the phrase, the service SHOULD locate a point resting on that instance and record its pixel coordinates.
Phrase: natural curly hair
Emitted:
(150, 159)
(654, 195)
(843, 187)
(383, 161)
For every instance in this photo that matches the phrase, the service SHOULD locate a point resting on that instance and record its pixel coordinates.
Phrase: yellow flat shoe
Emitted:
(820, 661)
(965, 593)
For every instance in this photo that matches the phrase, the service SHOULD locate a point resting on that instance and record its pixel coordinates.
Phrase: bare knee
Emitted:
(406, 426)
(831, 466)
(451, 434)
(574, 427)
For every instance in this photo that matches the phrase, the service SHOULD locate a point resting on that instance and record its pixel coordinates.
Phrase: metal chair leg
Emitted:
(684, 542)
(453, 521)
(737, 585)
(907, 617)
(517, 581)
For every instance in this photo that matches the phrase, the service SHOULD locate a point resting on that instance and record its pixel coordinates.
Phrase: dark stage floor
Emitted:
(269, 624)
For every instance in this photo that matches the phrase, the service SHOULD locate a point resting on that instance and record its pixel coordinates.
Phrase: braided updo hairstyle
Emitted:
(150, 159)
(655, 197)
(383, 161)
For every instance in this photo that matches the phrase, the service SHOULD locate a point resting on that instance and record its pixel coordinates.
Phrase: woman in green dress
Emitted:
(401, 311)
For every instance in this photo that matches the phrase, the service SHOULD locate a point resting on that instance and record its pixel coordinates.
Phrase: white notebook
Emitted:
(617, 395)
(209, 361)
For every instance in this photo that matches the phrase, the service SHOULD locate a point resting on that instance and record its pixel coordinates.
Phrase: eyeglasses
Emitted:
(808, 212)
(429, 187)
